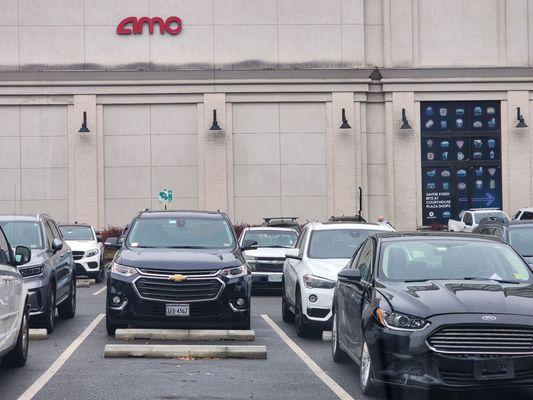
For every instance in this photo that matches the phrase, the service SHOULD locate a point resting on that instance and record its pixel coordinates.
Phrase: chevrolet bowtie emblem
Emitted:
(177, 278)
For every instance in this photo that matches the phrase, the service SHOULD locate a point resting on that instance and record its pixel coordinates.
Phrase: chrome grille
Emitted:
(267, 264)
(152, 271)
(482, 340)
(189, 290)
(78, 255)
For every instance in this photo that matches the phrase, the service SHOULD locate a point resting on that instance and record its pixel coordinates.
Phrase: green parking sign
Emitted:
(165, 196)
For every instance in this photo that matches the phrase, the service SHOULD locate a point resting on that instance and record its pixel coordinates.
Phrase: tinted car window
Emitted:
(337, 243)
(451, 260)
(23, 233)
(522, 240)
(77, 232)
(181, 232)
(4, 250)
(527, 216)
(272, 238)
(300, 244)
(365, 261)
(468, 219)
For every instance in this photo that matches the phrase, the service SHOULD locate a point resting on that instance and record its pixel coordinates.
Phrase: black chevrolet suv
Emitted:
(178, 269)
(50, 276)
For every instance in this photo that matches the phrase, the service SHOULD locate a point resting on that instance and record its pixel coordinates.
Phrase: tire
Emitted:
(111, 327)
(286, 314)
(338, 354)
(19, 355)
(100, 275)
(67, 310)
(366, 378)
(299, 318)
(48, 319)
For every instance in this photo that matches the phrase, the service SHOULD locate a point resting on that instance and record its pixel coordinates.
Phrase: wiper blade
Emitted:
(480, 278)
(185, 247)
(416, 280)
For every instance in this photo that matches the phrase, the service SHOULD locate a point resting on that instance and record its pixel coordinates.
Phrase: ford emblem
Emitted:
(488, 318)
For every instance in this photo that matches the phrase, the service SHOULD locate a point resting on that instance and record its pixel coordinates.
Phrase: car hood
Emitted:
(326, 268)
(82, 245)
(179, 259)
(425, 299)
(266, 252)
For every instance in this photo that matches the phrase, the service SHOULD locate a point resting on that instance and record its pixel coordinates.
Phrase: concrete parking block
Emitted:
(185, 334)
(82, 284)
(183, 351)
(327, 336)
(38, 334)
(88, 281)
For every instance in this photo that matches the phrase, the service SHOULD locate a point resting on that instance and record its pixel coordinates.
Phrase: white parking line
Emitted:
(62, 359)
(334, 386)
(99, 291)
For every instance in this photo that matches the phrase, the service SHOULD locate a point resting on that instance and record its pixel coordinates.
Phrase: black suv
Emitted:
(178, 269)
(50, 276)
(518, 233)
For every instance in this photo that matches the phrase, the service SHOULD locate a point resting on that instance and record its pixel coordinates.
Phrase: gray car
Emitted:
(50, 276)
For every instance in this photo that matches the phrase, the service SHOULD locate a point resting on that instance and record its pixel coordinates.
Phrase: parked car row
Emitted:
(39, 262)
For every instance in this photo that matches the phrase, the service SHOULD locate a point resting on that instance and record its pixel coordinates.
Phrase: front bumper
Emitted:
(404, 358)
(318, 312)
(222, 312)
(267, 280)
(88, 265)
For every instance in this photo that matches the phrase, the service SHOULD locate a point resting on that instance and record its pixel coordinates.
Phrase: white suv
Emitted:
(86, 250)
(311, 268)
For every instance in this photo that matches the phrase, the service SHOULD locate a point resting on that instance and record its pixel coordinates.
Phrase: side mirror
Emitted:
(98, 239)
(22, 255)
(293, 253)
(112, 243)
(349, 275)
(248, 244)
(56, 245)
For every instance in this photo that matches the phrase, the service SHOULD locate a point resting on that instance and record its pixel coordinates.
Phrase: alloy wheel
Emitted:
(25, 335)
(365, 366)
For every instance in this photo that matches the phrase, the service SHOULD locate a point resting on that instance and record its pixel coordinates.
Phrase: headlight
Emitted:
(123, 270)
(31, 271)
(92, 253)
(234, 272)
(399, 321)
(316, 282)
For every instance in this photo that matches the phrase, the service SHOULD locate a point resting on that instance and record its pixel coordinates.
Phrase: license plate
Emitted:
(275, 278)
(495, 368)
(178, 310)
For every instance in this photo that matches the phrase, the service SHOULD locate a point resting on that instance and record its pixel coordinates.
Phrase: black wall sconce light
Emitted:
(84, 128)
(214, 125)
(520, 118)
(345, 124)
(405, 122)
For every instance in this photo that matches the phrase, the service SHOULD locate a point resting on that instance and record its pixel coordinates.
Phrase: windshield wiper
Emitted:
(275, 246)
(480, 278)
(417, 280)
(185, 247)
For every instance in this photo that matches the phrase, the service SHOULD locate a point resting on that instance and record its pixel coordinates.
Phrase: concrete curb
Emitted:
(185, 334)
(327, 336)
(182, 351)
(38, 334)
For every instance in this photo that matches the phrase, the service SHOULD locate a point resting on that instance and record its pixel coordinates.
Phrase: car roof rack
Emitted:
(282, 222)
(348, 219)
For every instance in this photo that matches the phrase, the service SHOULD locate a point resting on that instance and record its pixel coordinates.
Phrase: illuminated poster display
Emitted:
(461, 158)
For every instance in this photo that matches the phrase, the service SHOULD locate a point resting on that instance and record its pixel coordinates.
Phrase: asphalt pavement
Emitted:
(70, 364)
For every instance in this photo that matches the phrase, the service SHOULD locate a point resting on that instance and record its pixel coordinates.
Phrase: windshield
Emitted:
(77, 232)
(522, 240)
(23, 233)
(451, 260)
(337, 243)
(273, 238)
(181, 232)
(488, 214)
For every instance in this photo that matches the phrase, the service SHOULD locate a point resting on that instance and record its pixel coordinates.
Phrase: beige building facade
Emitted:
(279, 75)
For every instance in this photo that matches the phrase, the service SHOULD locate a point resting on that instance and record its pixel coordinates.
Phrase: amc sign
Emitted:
(134, 25)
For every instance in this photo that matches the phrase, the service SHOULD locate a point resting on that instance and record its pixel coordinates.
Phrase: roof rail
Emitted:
(349, 218)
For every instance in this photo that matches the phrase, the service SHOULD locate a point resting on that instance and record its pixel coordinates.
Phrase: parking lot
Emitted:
(64, 367)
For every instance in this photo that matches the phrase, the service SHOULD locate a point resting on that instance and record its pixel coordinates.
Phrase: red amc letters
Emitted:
(134, 25)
